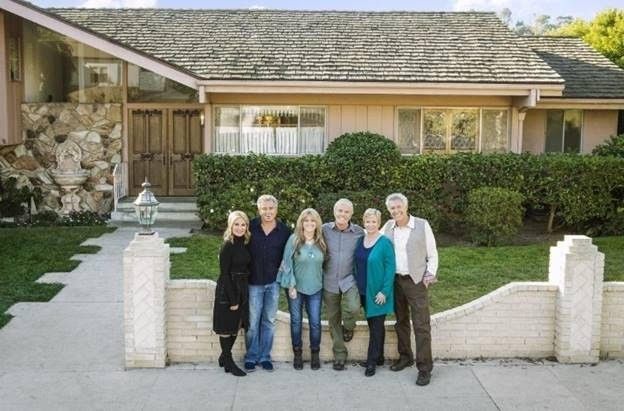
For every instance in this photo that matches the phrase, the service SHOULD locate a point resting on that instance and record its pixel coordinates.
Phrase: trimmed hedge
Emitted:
(494, 215)
(576, 191)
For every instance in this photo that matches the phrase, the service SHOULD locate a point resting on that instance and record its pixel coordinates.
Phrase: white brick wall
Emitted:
(612, 335)
(514, 321)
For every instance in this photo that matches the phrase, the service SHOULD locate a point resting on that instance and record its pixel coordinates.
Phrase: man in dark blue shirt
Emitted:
(268, 239)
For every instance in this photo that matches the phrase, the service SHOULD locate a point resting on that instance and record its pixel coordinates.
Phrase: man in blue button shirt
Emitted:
(268, 239)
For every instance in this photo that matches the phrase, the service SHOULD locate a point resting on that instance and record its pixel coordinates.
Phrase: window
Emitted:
(563, 131)
(60, 69)
(277, 130)
(146, 86)
(408, 135)
(494, 135)
(450, 130)
(446, 130)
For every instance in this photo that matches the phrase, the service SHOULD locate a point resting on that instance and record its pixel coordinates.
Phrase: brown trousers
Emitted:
(409, 296)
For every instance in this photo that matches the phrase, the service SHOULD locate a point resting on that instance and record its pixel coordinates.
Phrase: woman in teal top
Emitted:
(301, 273)
(374, 274)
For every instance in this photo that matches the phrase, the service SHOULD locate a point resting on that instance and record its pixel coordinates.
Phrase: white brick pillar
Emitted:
(146, 272)
(576, 267)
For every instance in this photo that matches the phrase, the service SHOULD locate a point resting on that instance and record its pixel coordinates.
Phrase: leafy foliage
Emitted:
(493, 215)
(614, 147)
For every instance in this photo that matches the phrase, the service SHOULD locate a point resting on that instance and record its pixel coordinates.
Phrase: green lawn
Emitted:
(28, 253)
(465, 272)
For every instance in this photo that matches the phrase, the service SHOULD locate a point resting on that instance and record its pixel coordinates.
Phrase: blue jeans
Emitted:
(313, 308)
(263, 301)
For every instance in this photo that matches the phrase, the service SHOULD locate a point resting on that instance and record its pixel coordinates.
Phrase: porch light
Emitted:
(146, 208)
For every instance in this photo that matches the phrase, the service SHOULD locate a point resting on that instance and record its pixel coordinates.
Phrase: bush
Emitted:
(292, 199)
(15, 202)
(493, 215)
(361, 200)
(614, 147)
(82, 218)
(45, 218)
(362, 161)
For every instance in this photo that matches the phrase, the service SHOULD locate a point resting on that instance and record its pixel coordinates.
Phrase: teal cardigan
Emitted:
(380, 271)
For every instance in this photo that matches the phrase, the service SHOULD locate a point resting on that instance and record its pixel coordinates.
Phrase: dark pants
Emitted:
(376, 335)
(413, 297)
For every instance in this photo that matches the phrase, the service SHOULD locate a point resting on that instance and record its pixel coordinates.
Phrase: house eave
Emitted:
(581, 103)
(55, 23)
(401, 88)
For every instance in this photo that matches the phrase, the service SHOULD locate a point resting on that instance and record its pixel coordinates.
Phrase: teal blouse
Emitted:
(302, 269)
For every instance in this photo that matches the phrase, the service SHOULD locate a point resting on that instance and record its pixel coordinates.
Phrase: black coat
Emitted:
(234, 261)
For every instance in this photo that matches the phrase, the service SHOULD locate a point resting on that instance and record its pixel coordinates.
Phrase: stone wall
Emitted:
(96, 128)
(612, 334)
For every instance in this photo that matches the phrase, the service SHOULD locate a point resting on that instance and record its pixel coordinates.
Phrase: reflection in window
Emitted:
(464, 130)
(434, 131)
(60, 69)
(146, 86)
(494, 131)
(563, 131)
(409, 131)
(279, 130)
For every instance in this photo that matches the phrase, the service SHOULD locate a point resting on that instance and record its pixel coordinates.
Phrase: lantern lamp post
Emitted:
(146, 207)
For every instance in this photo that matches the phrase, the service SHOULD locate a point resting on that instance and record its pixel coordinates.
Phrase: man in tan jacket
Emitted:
(416, 267)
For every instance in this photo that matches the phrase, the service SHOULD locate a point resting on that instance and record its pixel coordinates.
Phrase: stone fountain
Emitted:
(69, 174)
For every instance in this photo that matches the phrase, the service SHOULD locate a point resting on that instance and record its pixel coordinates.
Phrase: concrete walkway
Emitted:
(68, 354)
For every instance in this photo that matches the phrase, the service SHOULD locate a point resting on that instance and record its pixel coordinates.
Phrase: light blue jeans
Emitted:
(263, 300)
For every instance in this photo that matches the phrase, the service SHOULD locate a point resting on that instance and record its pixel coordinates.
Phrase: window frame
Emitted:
(213, 135)
(563, 124)
(449, 125)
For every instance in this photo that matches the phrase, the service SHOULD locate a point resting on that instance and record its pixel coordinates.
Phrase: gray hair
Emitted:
(396, 197)
(264, 198)
(370, 212)
(344, 201)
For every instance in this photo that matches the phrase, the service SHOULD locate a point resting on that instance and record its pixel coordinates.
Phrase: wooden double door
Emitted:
(162, 145)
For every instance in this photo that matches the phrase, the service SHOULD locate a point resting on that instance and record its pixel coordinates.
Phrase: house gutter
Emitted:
(402, 88)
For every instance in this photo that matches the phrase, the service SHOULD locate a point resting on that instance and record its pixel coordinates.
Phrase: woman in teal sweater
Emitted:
(375, 268)
(301, 273)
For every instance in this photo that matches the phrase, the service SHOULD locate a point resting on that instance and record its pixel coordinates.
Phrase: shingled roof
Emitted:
(587, 73)
(472, 47)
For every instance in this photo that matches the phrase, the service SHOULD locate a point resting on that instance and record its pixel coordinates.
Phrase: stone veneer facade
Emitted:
(96, 128)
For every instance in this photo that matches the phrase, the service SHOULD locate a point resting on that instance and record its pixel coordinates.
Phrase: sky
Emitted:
(524, 10)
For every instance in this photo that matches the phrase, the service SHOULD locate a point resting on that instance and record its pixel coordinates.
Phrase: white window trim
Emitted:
(240, 106)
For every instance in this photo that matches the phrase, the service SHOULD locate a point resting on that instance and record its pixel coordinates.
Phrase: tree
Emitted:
(605, 33)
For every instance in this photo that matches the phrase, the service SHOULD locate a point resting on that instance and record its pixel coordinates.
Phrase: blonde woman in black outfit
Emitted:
(231, 307)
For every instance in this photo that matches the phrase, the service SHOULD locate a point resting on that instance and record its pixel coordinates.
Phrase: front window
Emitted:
(563, 131)
(60, 69)
(276, 130)
(445, 130)
(146, 86)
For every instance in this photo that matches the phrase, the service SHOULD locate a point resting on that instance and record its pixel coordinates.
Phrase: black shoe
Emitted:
(338, 366)
(347, 335)
(370, 371)
(401, 363)
(315, 361)
(297, 360)
(380, 362)
(423, 378)
(230, 366)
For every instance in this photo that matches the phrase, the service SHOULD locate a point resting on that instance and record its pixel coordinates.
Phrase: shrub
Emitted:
(361, 200)
(15, 202)
(614, 147)
(82, 218)
(493, 215)
(292, 199)
(362, 161)
(45, 218)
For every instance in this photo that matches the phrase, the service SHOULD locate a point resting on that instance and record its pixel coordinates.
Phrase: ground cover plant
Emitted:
(465, 272)
(28, 253)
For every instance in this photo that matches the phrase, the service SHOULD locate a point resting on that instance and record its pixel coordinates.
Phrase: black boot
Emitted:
(228, 362)
(298, 359)
(224, 342)
(315, 362)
